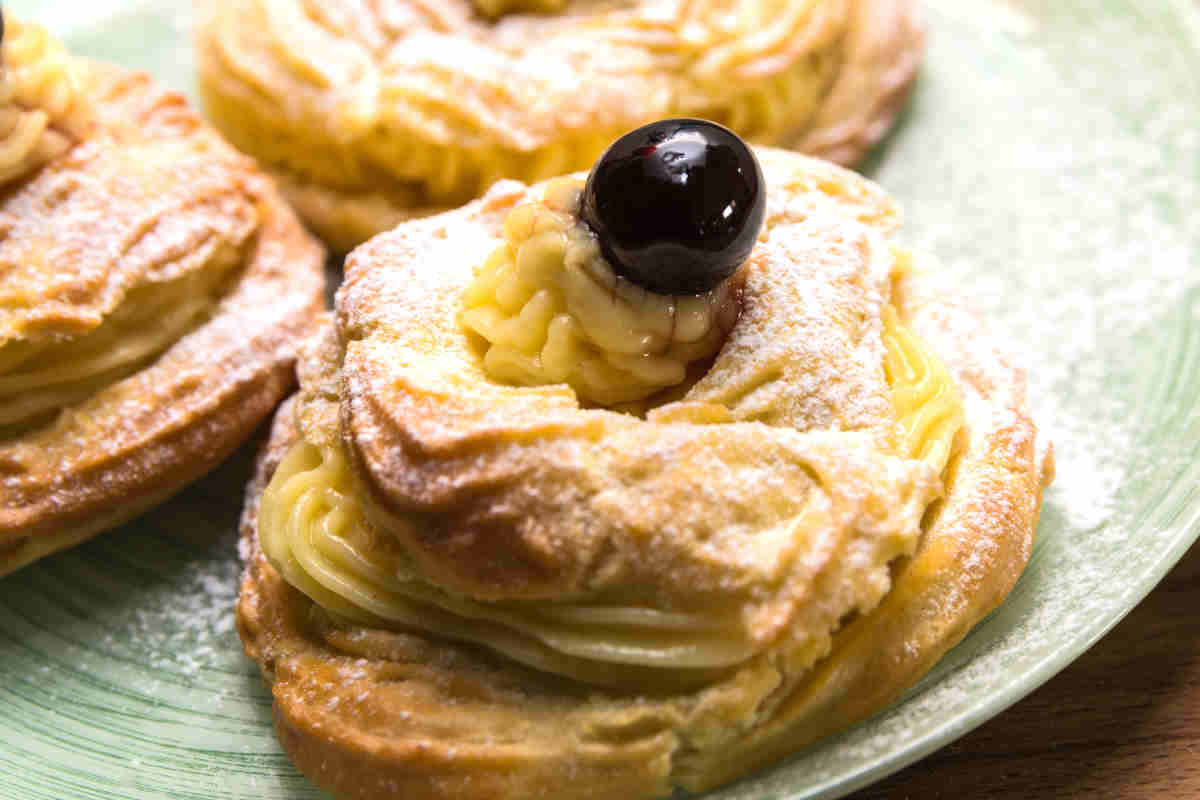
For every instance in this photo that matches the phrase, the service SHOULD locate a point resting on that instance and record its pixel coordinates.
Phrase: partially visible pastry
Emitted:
(504, 545)
(369, 114)
(153, 288)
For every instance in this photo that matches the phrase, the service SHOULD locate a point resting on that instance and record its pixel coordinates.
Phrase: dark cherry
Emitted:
(676, 205)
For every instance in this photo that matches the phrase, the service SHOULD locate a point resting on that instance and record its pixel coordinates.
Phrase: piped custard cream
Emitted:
(550, 310)
(43, 110)
(40, 377)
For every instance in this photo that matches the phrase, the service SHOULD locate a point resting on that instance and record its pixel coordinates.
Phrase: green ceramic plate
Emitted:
(1050, 157)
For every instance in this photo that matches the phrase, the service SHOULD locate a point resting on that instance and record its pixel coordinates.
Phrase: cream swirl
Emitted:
(314, 531)
(551, 310)
(43, 111)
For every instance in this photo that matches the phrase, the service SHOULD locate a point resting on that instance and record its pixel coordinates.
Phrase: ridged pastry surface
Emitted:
(152, 287)
(662, 601)
(374, 112)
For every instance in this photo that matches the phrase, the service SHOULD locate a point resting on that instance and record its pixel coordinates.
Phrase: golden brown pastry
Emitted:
(370, 113)
(153, 286)
(465, 579)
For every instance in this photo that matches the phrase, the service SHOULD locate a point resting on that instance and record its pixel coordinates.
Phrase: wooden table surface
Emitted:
(1122, 722)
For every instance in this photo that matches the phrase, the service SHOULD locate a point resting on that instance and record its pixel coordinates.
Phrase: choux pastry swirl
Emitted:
(459, 583)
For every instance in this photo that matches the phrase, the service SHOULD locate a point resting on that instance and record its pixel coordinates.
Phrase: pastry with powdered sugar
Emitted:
(371, 113)
(629, 482)
(153, 288)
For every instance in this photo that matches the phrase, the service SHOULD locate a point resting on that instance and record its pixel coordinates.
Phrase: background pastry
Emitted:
(369, 114)
(468, 582)
(154, 286)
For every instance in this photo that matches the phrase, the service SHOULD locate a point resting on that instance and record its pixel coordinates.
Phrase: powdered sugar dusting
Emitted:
(121, 655)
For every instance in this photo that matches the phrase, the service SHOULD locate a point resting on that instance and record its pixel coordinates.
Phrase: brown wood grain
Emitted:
(1122, 722)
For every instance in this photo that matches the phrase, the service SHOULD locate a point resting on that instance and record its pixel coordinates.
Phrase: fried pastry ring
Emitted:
(368, 114)
(555, 574)
(153, 283)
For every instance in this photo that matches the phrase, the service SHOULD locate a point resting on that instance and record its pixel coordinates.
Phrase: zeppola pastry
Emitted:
(369, 114)
(153, 286)
(628, 482)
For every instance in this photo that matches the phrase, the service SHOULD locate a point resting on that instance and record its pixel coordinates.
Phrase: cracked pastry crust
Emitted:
(372, 113)
(776, 497)
(153, 286)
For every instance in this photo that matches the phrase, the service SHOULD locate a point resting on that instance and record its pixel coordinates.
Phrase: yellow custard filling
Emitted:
(42, 106)
(928, 407)
(927, 403)
(551, 310)
(38, 379)
(312, 528)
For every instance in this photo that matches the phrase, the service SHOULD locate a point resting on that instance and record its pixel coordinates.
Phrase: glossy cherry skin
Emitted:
(676, 205)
